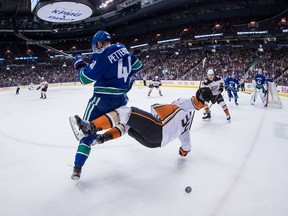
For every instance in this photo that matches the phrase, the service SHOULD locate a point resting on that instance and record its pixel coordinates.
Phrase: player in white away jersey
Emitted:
(43, 86)
(155, 83)
(216, 84)
(165, 123)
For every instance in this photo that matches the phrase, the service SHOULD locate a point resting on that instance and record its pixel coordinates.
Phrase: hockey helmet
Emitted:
(210, 72)
(204, 94)
(100, 36)
(156, 77)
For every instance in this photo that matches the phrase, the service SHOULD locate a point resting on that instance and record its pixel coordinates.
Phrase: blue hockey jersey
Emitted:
(231, 83)
(260, 81)
(111, 70)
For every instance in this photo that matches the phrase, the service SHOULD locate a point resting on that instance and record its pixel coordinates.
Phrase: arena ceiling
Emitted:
(23, 7)
(146, 9)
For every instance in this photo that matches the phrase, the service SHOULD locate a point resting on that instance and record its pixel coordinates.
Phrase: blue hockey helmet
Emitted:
(100, 36)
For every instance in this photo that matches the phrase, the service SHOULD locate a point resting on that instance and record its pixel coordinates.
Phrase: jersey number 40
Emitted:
(123, 71)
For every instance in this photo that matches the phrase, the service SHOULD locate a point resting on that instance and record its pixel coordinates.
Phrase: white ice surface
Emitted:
(234, 169)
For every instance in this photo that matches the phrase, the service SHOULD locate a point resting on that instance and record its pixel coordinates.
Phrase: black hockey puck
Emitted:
(188, 189)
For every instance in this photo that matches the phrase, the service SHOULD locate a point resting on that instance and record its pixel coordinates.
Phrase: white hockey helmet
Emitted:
(156, 77)
(210, 72)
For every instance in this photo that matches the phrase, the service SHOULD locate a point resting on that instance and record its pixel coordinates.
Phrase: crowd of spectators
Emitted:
(173, 61)
(225, 62)
(167, 65)
(24, 75)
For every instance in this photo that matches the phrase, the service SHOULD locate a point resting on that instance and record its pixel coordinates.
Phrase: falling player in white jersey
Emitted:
(165, 123)
(216, 84)
(155, 83)
(43, 86)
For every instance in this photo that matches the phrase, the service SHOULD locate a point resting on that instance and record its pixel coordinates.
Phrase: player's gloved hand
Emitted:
(204, 94)
(221, 88)
(182, 152)
(78, 62)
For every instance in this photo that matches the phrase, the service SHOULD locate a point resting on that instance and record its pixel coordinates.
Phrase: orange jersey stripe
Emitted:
(166, 112)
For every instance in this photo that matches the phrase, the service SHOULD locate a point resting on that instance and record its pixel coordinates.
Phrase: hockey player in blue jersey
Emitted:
(232, 87)
(260, 88)
(110, 69)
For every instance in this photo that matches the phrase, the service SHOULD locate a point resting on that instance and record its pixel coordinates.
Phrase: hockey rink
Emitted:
(234, 169)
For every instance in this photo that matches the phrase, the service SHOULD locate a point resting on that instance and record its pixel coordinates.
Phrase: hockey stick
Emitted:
(197, 65)
(254, 62)
(19, 35)
(203, 61)
(247, 92)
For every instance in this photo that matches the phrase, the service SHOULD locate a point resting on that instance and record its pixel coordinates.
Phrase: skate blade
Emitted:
(76, 182)
(73, 123)
(75, 179)
(208, 119)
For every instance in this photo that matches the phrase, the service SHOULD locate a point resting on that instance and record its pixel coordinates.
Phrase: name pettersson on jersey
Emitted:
(117, 55)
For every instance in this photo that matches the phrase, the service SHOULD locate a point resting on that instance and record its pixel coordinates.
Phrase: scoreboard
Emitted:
(62, 11)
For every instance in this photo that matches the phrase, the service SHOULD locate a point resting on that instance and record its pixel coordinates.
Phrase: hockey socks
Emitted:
(106, 121)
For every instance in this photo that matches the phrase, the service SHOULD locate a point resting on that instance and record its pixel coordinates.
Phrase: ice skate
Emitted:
(81, 128)
(207, 116)
(101, 138)
(228, 117)
(76, 173)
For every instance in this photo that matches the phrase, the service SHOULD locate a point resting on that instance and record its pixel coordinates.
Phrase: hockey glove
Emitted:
(78, 62)
(221, 88)
(182, 152)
